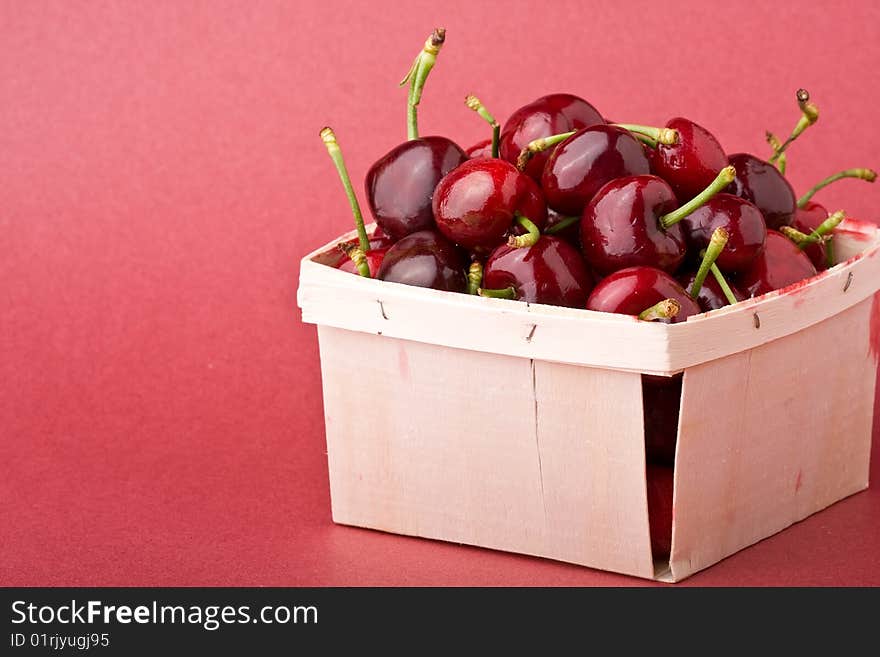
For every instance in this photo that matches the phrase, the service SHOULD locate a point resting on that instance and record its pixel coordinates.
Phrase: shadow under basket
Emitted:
(520, 427)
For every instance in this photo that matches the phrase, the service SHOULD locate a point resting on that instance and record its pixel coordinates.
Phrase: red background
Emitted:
(160, 177)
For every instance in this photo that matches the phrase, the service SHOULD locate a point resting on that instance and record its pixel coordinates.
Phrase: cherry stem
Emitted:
(562, 225)
(538, 146)
(417, 76)
(503, 293)
(474, 103)
(862, 174)
(716, 245)
(475, 277)
(666, 309)
(666, 136)
(793, 234)
(809, 115)
(645, 139)
(527, 239)
(823, 229)
(775, 144)
(722, 283)
(329, 139)
(829, 252)
(722, 180)
(358, 257)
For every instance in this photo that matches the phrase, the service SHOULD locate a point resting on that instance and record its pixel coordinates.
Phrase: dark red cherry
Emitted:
(760, 183)
(661, 399)
(690, 164)
(475, 204)
(631, 291)
(744, 224)
(425, 259)
(584, 162)
(548, 115)
(660, 484)
(781, 264)
(400, 185)
(480, 149)
(374, 261)
(710, 296)
(551, 272)
(807, 219)
(621, 227)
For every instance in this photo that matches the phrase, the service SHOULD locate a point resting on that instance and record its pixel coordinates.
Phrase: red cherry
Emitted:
(661, 399)
(781, 264)
(660, 482)
(425, 259)
(400, 185)
(548, 115)
(807, 219)
(621, 227)
(744, 224)
(480, 149)
(710, 296)
(632, 290)
(374, 261)
(584, 162)
(475, 204)
(690, 164)
(550, 272)
(760, 183)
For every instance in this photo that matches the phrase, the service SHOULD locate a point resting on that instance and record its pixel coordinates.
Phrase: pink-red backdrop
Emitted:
(160, 177)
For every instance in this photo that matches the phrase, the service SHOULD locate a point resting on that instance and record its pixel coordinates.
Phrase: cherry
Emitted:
(475, 204)
(548, 115)
(661, 399)
(550, 272)
(480, 149)
(760, 183)
(425, 259)
(374, 258)
(711, 295)
(781, 264)
(807, 219)
(400, 185)
(692, 162)
(630, 291)
(660, 489)
(743, 222)
(584, 162)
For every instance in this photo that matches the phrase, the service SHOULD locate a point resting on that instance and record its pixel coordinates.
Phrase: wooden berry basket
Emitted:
(520, 427)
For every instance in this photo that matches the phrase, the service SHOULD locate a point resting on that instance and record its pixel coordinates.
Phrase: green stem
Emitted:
(329, 139)
(538, 146)
(645, 139)
(474, 103)
(358, 257)
(862, 174)
(722, 180)
(775, 144)
(666, 136)
(829, 252)
(666, 309)
(716, 245)
(417, 76)
(503, 293)
(722, 283)
(793, 234)
(562, 225)
(809, 115)
(824, 228)
(527, 239)
(475, 277)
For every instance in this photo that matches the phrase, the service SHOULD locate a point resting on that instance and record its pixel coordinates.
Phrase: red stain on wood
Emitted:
(799, 481)
(874, 343)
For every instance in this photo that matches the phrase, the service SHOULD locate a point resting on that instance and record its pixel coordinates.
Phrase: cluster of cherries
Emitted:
(567, 208)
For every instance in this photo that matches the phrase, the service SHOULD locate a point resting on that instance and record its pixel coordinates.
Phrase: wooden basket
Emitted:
(520, 427)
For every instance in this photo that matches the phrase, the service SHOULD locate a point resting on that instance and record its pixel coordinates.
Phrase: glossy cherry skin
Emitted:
(807, 219)
(374, 262)
(660, 482)
(661, 400)
(400, 185)
(744, 224)
(760, 183)
(378, 241)
(635, 289)
(620, 227)
(710, 296)
(425, 259)
(480, 149)
(475, 204)
(548, 115)
(781, 264)
(690, 164)
(551, 272)
(583, 163)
